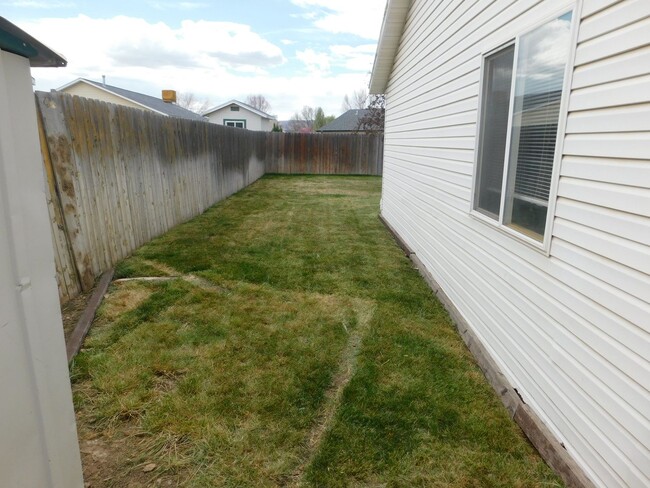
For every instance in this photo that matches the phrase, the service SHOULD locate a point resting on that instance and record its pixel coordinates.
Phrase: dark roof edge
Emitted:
(17, 41)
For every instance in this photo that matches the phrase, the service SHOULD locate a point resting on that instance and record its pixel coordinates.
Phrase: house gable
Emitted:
(121, 96)
(88, 90)
(239, 113)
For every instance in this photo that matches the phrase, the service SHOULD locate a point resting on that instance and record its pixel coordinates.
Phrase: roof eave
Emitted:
(104, 89)
(243, 105)
(391, 33)
(17, 41)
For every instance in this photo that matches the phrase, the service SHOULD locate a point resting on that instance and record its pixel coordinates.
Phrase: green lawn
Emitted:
(292, 344)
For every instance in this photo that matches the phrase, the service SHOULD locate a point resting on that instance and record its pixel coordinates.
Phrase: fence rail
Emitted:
(118, 177)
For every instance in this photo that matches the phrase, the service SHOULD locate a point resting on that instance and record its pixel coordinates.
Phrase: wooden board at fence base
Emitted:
(80, 331)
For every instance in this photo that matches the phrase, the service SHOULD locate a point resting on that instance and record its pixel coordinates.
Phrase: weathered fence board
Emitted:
(119, 176)
(343, 154)
(122, 176)
(66, 273)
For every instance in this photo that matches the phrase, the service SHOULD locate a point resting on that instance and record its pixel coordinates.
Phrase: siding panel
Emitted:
(570, 330)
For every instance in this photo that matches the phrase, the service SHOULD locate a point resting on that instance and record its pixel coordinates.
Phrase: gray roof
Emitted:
(153, 103)
(348, 122)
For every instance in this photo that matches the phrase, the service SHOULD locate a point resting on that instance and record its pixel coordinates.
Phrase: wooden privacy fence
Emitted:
(332, 154)
(117, 176)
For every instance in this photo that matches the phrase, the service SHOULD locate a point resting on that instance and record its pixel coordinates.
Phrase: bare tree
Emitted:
(358, 100)
(191, 102)
(373, 120)
(303, 121)
(259, 102)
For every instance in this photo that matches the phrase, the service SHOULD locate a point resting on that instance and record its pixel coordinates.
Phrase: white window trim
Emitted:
(545, 245)
(225, 122)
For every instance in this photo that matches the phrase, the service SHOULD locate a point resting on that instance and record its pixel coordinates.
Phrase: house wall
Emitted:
(38, 441)
(253, 121)
(568, 329)
(89, 91)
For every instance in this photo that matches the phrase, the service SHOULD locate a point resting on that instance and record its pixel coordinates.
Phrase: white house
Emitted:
(165, 105)
(38, 437)
(517, 172)
(238, 114)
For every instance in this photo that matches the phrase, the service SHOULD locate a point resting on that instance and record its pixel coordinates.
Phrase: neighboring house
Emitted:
(517, 170)
(113, 94)
(238, 114)
(38, 437)
(348, 122)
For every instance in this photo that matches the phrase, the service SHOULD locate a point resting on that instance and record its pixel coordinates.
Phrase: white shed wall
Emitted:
(38, 441)
(570, 330)
(253, 121)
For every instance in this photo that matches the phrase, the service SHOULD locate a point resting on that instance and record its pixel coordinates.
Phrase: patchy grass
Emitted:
(297, 347)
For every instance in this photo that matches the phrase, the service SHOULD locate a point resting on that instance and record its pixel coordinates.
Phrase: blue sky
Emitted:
(294, 52)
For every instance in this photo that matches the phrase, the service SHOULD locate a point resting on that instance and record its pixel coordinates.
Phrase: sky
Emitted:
(294, 52)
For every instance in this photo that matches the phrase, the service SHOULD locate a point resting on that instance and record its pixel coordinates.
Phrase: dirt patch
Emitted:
(125, 296)
(112, 461)
(71, 312)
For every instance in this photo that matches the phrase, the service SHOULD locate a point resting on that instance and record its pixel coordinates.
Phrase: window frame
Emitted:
(243, 121)
(545, 244)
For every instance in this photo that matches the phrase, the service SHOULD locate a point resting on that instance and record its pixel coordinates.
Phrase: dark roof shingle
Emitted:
(153, 103)
(347, 122)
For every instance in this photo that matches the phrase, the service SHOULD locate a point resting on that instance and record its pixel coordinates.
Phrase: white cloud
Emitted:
(360, 17)
(354, 58)
(94, 44)
(287, 42)
(214, 60)
(317, 63)
(351, 58)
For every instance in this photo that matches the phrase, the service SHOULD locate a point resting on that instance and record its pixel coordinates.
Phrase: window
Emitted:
(234, 108)
(518, 125)
(241, 124)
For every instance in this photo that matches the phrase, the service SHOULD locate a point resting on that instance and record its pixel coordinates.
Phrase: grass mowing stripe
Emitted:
(223, 377)
(346, 369)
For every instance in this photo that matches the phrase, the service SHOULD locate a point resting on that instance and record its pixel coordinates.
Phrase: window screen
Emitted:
(541, 62)
(534, 112)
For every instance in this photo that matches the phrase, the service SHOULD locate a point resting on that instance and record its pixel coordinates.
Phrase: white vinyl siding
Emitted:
(570, 330)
